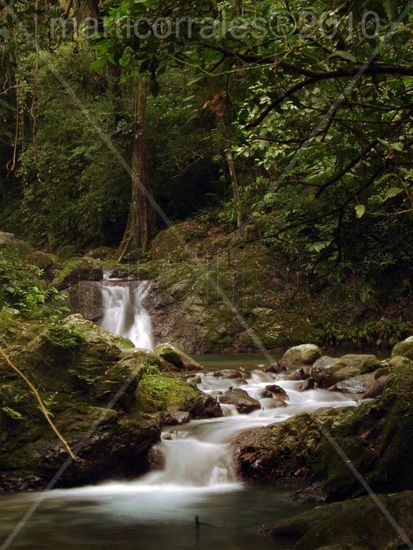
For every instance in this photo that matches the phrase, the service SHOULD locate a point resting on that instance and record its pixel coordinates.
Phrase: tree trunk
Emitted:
(136, 235)
(235, 185)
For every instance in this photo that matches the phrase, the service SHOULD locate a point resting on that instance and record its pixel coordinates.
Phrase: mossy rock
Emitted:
(355, 524)
(176, 358)
(167, 395)
(87, 378)
(78, 269)
(328, 371)
(377, 437)
(404, 349)
(283, 450)
(158, 392)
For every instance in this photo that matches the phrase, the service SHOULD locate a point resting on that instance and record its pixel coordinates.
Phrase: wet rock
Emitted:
(298, 374)
(377, 388)
(119, 273)
(356, 385)
(283, 450)
(328, 371)
(86, 298)
(275, 368)
(354, 524)
(78, 269)
(277, 392)
(300, 356)
(275, 403)
(307, 385)
(207, 407)
(404, 349)
(231, 374)
(177, 417)
(176, 358)
(156, 459)
(242, 401)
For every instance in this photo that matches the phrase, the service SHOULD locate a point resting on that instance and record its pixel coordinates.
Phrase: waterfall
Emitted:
(124, 313)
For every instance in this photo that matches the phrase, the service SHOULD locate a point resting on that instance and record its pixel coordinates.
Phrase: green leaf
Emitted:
(360, 210)
(393, 192)
(345, 55)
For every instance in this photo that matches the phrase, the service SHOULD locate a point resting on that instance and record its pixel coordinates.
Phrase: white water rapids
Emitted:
(197, 455)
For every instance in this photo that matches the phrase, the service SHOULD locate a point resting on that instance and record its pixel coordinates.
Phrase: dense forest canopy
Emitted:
(293, 117)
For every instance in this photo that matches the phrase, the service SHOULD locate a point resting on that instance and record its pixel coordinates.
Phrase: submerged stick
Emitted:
(43, 408)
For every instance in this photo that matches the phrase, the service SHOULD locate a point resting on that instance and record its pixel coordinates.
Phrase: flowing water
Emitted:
(124, 312)
(199, 477)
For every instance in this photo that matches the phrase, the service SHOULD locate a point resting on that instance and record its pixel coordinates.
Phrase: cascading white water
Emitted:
(124, 313)
(198, 454)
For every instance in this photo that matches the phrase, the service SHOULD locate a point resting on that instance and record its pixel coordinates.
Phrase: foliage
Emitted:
(22, 287)
(384, 333)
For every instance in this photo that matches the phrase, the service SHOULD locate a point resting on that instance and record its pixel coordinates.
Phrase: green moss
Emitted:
(157, 392)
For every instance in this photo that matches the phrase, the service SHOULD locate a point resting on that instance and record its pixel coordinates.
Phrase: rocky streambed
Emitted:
(160, 425)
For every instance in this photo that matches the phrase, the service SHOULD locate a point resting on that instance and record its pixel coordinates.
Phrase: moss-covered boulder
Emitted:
(78, 269)
(88, 380)
(376, 437)
(300, 356)
(328, 371)
(176, 358)
(283, 450)
(355, 524)
(174, 399)
(404, 349)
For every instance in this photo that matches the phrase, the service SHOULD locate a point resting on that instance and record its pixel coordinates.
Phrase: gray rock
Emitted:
(328, 371)
(307, 385)
(244, 403)
(86, 298)
(355, 385)
(299, 356)
(276, 392)
(377, 388)
(176, 358)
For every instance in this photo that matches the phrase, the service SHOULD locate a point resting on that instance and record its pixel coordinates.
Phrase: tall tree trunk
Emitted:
(232, 170)
(136, 235)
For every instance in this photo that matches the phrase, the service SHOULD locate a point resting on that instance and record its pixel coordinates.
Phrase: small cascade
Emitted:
(124, 313)
(198, 454)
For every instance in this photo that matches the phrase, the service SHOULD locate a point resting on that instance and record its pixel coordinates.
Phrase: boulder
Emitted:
(276, 392)
(85, 298)
(176, 358)
(328, 371)
(377, 388)
(283, 450)
(307, 385)
(377, 438)
(354, 524)
(173, 399)
(231, 374)
(78, 269)
(275, 368)
(400, 362)
(300, 356)
(404, 349)
(244, 403)
(88, 379)
(356, 385)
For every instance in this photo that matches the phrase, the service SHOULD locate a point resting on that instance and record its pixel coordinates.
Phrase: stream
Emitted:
(199, 478)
